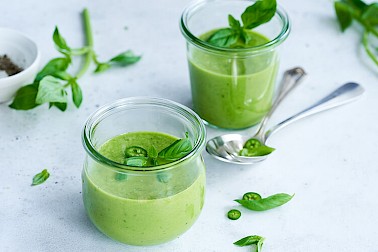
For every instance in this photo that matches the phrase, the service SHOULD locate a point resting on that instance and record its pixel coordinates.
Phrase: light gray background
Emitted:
(329, 161)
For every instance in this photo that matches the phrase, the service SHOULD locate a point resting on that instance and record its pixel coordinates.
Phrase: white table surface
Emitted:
(329, 161)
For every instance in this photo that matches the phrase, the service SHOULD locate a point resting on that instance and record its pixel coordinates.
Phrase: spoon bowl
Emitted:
(227, 147)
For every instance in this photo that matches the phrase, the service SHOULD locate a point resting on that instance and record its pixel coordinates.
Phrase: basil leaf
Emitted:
(370, 15)
(51, 90)
(176, 150)
(25, 97)
(357, 4)
(152, 152)
(54, 65)
(125, 58)
(60, 105)
(259, 13)
(40, 177)
(266, 203)
(136, 161)
(60, 42)
(235, 24)
(225, 37)
(77, 95)
(343, 14)
(248, 240)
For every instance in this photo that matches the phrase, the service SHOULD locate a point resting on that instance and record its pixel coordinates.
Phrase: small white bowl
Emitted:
(24, 53)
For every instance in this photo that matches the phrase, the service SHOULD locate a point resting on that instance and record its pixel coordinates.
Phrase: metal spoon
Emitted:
(227, 147)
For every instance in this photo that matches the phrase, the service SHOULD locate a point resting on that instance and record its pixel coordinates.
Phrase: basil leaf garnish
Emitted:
(176, 150)
(264, 204)
(248, 240)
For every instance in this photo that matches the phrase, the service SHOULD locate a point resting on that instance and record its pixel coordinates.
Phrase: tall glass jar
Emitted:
(231, 88)
(143, 205)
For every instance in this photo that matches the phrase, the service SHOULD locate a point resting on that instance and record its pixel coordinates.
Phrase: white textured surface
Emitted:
(329, 161)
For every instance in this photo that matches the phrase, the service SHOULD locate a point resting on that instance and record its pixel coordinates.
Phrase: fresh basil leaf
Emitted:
(235, 24)
(246, 36)
(53, 66)
(125, 58)
(259, 13)
(176, 150)
(248, 240)
(77, 95)
(60, 42)
(356, 4)
(136, 161)
(152, 152)
(25, 97)
(370, 15)
(62, 106)
(51, 90)
(40, 177)
(343, 14)
(62, 75)
(101, 67)
(264, 204)
(225, 37)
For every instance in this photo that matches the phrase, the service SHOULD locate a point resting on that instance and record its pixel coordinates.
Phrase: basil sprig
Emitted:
(175, 151)
(40, 177)
(54, 80)
(367, 16)
(262, 11)
(251, 240)
(264, 204)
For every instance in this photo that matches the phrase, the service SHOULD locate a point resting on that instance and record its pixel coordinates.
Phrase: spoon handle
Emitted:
(344, 94)
(290, 80)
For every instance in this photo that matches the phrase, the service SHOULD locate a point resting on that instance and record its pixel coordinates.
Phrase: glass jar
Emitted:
(232, 88)
(143, 205)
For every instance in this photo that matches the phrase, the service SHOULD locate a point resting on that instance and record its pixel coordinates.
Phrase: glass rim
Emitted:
(96, 117)
(190, 37)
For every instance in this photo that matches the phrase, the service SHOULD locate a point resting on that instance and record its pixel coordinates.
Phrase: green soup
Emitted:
(231, 89)
(143, 207)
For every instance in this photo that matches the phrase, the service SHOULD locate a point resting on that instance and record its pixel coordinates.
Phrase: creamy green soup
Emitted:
(233, 90)
(143, 208)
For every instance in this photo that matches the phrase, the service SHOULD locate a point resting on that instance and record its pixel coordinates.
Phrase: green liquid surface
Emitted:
(148, 207)
(233, 92)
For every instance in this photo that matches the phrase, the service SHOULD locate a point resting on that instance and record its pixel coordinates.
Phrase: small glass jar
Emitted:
(232, 88)
(143, 205)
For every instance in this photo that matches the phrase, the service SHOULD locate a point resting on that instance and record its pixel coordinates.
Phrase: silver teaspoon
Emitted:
(227, 147)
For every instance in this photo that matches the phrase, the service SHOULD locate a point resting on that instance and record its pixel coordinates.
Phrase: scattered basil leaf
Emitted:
(125, 58)
(248, 240)
(264, 204)
(176, 150)
(40, 177)
(102, 67)
(343, 15)
(51, 90)
(260, 244)
(25, 97)
(366, 15)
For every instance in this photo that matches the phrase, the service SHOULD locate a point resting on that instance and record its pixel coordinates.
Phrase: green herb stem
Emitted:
(367, 49)
(89, 43)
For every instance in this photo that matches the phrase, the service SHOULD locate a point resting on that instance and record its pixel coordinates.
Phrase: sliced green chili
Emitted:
(135, 151)
(234, 214)
(251, 196)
